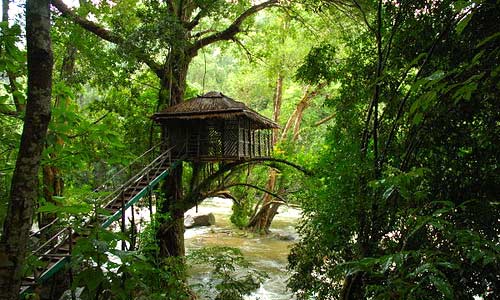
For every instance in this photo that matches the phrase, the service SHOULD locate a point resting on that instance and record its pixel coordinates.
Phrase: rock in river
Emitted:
(199, 220)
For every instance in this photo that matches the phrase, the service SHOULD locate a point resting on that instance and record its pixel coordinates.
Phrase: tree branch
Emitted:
(196, 20)
(220, 191)
(195, 193)
(363, 14)
(324, 120)
(257, 188)
(106, 35)
(234, 28)
(86, 24)
(202, 33)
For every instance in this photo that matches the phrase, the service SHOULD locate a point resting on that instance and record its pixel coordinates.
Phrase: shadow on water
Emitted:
(266, 253)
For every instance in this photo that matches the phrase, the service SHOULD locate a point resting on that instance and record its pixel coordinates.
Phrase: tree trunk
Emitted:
(263, 216)
(25, 178)
(170, 235)
(173, 79)
(5, 11)
(278, 99)
(261, 220)
(298, 119)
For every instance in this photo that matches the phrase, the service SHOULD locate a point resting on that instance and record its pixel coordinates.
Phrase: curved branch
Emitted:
(106, 35)
(220, 189)
(86, 24)
(234, 28)
(258, 160)
(257, 188)
(205, 184)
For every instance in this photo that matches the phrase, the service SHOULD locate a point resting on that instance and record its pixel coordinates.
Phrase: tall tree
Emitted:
(166, 36)
(24, 189)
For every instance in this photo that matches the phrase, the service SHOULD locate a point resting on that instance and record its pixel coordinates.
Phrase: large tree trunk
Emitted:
(173, 79)
(24, 186)
(170, 235)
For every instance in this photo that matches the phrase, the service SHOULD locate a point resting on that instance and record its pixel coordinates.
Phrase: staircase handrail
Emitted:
(127, 166)
(60, 237)
(134, 178)
(103, 184)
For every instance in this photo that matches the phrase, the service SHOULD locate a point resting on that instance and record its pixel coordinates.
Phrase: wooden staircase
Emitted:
(55, 253)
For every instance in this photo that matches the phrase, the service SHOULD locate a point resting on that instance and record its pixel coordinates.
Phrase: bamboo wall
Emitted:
(214, 140)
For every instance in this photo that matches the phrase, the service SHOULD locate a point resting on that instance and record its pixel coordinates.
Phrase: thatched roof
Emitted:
(213, 105)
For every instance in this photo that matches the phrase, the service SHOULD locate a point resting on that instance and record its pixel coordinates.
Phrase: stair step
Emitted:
(50, 259)
(62, 251)
(113, 208)
(137, 187)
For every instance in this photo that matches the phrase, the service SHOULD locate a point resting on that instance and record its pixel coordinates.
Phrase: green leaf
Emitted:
(463, 23)
(388, 192)
(437, 75)
(442, 285)
(488, 39)
(417, 119)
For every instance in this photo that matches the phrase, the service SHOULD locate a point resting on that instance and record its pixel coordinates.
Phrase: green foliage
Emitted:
(12, 67)
(241, 211)
(318, 65)
(226, 276)
(108, 273)
(424, 227)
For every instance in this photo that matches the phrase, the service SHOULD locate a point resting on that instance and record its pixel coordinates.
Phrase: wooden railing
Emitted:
(141, 175)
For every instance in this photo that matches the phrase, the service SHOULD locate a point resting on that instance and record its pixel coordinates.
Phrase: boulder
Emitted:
(285, 237)
(197, 220)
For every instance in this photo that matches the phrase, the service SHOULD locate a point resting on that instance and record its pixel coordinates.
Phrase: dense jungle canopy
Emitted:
(388, 142)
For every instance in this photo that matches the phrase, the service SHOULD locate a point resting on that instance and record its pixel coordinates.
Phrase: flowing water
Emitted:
(266, 253)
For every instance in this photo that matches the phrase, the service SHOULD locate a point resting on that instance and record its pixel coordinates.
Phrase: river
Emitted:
(266, 253)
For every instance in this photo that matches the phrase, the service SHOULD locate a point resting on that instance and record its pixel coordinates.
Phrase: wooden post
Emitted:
(123, 220)
(223, 137)
(132, 230)
(70, 271)
(240, 144)
(198, 142)
(150, 202)
(260, 150)
(270, 142)
(252, 143)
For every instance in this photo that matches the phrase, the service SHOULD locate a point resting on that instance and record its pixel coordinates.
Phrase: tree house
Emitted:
(214, 127)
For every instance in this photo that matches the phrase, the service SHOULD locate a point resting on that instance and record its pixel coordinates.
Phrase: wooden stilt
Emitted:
(133, 230)
(70, 271)
(150, 203)
(123, 220)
